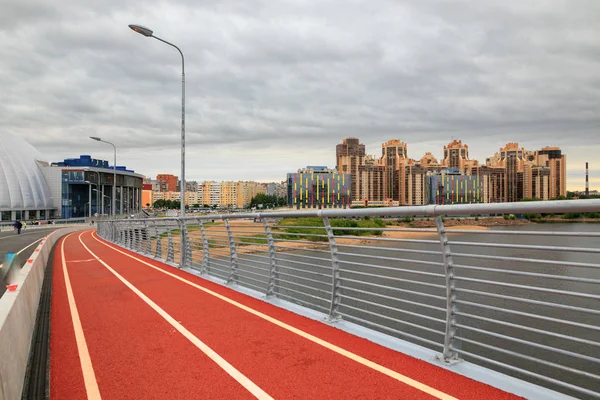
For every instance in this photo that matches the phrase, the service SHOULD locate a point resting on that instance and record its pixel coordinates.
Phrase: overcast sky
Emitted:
(273, 86)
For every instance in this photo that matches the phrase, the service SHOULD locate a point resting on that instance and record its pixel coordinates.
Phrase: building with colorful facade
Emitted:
(450, 187)
(319, 187)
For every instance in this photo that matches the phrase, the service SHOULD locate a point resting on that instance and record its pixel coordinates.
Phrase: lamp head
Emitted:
(95, 138)
(141, 30)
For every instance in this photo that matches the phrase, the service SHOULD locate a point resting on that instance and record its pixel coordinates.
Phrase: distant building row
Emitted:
(510, 175)
(236, 194)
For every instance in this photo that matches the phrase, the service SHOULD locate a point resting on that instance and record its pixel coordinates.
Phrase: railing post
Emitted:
(205, 253)
(233, 271)
(140, 244)
(158, 253)
(449, 356)
(185, 246)
(170, 251)
(134, 239)
(274, 269)
(335, 275)
(148, 241)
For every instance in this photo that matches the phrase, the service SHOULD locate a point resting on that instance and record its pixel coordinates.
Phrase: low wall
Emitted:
(18, 311)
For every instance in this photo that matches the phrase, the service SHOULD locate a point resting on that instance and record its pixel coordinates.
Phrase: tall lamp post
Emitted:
(148, 33)
(114, 191)
(90, 185)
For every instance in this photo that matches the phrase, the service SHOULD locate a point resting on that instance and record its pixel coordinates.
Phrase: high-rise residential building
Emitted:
(512, 174)
(209, 193)
(372, 182)
(514, 161)
(428, 160)
(168, 183)
(350, 156)
(412, 184)
(228, 194)
(456, 156)
(553, 158)
(393, 154)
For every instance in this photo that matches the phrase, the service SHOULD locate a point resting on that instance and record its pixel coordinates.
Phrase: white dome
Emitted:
(22, 184)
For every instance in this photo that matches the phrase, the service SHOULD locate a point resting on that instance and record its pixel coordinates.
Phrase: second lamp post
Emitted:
(148, 33)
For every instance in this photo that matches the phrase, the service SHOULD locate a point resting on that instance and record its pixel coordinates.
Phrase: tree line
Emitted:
(267, 201)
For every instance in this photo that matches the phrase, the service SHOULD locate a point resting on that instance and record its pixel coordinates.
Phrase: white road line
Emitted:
(25, 248)
(370, 364)
(220, 361)
(89, 378)
(28, 246)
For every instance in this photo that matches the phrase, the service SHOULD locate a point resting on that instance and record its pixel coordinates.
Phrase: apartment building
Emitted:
(167, 182)
(511, 174)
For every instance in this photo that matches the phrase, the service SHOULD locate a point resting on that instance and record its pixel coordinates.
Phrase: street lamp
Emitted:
(103, 196)
(90, 184)
(148, 33)
(114, 191)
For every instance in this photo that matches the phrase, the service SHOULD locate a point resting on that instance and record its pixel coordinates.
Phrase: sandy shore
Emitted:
(218, 233)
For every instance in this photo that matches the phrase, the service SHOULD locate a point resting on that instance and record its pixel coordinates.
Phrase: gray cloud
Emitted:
(273, 86)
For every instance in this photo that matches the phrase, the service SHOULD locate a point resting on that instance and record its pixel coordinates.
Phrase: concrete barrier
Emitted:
(18, 311)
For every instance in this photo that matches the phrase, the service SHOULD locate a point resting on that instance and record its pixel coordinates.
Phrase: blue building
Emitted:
(82, 187)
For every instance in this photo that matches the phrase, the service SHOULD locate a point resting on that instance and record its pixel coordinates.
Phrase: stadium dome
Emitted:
(22, 184)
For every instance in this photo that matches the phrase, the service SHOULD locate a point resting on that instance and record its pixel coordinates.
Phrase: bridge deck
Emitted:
(126, 326)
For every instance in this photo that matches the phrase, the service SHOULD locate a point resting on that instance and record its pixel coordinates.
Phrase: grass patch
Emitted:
(255, 239)
(316, 229)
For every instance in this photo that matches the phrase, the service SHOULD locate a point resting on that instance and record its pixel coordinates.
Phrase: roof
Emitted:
(22, 184)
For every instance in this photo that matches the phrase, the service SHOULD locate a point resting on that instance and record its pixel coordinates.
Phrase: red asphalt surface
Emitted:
(136, 354)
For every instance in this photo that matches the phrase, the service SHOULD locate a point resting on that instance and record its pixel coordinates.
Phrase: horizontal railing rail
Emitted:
(523, 300)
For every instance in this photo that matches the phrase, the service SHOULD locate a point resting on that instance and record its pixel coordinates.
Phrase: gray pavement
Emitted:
(10, 242)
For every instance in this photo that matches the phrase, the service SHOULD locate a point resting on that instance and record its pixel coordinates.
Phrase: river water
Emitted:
(377, 286)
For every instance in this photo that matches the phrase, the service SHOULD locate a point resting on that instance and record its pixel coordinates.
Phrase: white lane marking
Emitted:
(25, 248)
(220, 361)
(28, 246)
(79, 261)
(89, 378)
(361, 360)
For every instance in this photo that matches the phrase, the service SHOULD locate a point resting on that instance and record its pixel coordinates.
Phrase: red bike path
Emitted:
(125, 326)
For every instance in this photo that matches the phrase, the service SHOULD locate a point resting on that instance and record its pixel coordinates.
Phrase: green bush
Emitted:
(317, 234)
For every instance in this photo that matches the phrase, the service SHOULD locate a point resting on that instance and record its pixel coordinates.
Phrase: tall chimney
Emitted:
(587, 183)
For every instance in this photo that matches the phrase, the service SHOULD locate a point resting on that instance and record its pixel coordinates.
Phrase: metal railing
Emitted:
(524, 301)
